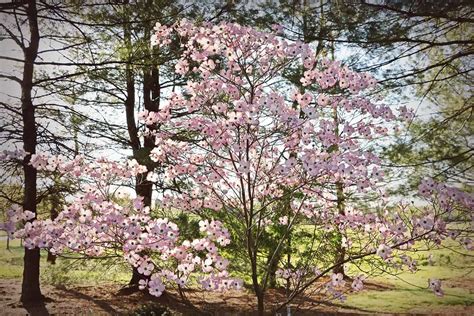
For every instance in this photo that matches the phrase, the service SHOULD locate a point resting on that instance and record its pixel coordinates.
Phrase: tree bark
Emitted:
(30, 289)
(259, 290)
(340, 250)
(340, 254)
(55, 204)
(132, 130)
(151, 102)
(143, 187)
(272, 268)
(260, 303)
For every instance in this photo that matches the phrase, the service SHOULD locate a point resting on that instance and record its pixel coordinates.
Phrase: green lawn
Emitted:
(65, 271)
(11, 261)
(409, 293)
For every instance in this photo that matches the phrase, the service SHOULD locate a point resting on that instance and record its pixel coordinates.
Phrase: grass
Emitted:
(409, 292)
(403, 300)
(11, 261)
(65, 271)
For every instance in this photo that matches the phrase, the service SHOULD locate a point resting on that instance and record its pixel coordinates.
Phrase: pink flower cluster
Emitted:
(234, 89)
(95, 224)
(14, 215)
(435, 285)
(16, 154)
(447, 196)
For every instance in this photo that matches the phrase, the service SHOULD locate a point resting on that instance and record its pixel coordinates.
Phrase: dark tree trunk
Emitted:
(272, 268)
(258, 289)
(143, 187)
(260, 303)
(130, 100)
(136, 277)
(30, 289)
(51, 258)
(151, 102)
(132, 132)
(55, 203)
(340, 254)
(340, 250)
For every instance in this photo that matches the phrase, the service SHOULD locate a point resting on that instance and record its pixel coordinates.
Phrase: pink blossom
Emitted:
(384, 251)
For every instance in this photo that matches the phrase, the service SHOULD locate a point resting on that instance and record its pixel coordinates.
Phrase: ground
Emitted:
(104, 300)
(74, 287)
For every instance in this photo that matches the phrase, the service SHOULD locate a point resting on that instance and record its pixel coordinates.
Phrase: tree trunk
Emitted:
(151, 98)
(30, 289)
(143, 187)
(51, 258)
(144, 190)
(340, 250)
(136, 277)
(260, 303)
(55, 203)
(259, 290)
(272, 268)
(132, 131)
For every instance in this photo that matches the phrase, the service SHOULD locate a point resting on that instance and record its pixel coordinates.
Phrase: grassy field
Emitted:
(11, 261)
(65, 271)
(408, 291)
(404, 293)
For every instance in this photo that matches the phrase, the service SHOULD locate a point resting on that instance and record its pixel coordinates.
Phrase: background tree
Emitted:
(32, 118)
(28, 44)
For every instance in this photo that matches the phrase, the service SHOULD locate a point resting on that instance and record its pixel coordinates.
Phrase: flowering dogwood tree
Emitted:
(242, 144)
(95, 225)
(253, 149)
